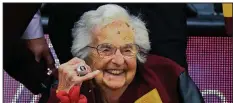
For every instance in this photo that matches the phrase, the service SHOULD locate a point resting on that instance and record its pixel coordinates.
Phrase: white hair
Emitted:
(104, 15)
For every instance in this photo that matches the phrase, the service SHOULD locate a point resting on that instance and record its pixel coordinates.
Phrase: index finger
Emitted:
(88, 76)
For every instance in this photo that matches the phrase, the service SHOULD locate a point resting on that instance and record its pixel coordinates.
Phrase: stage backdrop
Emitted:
(210, 66)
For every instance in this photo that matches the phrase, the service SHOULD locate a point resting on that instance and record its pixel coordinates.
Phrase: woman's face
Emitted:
(118, 69)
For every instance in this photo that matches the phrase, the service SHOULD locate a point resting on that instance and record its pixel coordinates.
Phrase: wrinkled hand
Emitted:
(40, 49)
(68, 76)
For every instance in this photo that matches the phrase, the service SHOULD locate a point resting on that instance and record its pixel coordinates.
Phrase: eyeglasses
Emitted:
(106, 49)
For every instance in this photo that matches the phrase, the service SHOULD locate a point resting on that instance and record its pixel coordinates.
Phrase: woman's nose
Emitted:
(118, 58)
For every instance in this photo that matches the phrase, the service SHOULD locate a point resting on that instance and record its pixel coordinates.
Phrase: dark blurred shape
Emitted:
(209, 20)
(202, 19)
(18, 61)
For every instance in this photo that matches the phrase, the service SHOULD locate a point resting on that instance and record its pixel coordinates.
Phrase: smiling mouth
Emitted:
(114, 71)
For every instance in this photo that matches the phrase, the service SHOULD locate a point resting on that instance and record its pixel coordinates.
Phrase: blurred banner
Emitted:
(227, 12)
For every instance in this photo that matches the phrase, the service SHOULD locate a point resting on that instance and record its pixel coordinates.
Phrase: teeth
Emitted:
(116, 72)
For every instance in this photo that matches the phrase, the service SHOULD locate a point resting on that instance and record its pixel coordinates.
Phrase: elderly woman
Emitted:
(111, 64)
